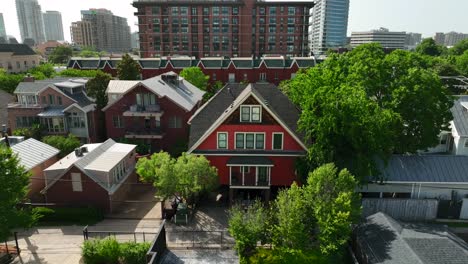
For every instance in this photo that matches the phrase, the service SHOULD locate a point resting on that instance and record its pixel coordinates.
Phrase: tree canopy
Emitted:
(128, 68)
(459, 48)
(430, 48)
(186, 177)
(364, 105)
(79, 73)
(14, 181)
(61, 54)
(195, 76)
(96, 88)
(66, 145)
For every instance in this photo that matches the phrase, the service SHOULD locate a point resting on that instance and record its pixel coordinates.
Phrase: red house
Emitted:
(154, 111)
(249, 132)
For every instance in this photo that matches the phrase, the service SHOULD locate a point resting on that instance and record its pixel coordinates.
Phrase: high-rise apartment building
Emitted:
(328, 25)
(234, 28)
(3, 34)
(53, 25)
(102, 30)
(30, 20)
(388, 39)
(449, 39)
(412, 40)
(439, 38)
(82, 33)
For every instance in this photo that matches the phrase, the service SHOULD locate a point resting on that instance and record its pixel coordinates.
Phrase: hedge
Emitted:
(79, 215)
(110, 251)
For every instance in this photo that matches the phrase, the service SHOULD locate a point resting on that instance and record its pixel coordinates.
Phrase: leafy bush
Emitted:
(134, 253)
(65, 144)
(82, 215)
(109, 251)
(78, 73)
(105, 251)
(282, 255)
(29, 132)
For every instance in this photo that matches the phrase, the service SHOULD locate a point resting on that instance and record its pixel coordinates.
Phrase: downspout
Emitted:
(419, 191)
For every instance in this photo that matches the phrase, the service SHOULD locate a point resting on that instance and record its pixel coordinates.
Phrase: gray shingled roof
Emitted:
(31, 87)
(17, 49)
(212, 63)
(386, 241)
(213, 109)
(32, 152)
(184, 63)
(150, 64)
(247, 64)
(460, 116)
(425, 168)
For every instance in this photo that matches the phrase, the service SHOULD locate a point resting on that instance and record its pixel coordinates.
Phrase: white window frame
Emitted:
(250, 113)
(273, 140)
(466, 142)
(227, 140)
(245, 171)
(245, 140)
(77, 185)
(263, 76)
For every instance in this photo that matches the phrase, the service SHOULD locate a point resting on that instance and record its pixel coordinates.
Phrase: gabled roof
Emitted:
(186, 95)
(17, 49)
(100, 157)
(243, 63)
(384, 240)
(460, 116)
(32, 152)
(426, 169)
(212, 63)
(220, 106)
(150, 64)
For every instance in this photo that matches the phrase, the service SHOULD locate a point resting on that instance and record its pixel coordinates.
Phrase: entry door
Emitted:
(262, 178)
(232, 77)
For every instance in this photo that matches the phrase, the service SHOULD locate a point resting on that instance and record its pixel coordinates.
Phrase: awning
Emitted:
(250, 161)
(52, 112)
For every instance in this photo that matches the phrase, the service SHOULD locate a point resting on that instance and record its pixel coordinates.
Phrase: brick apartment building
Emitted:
(233, 28)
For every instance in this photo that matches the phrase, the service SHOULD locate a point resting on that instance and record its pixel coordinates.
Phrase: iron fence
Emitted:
(121, 236)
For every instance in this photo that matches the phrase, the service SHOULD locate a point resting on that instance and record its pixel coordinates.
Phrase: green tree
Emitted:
(9, 82)
(364, 105)
(336, 205)
(79, 73)
(128, 68)
(459, 48)
(248, 227)
(462, 63)
(14, 181)
(294, 221)
(35, 131)
(96, 88)
(66, 145)
(186, 177)
(46, 69)
(195, 76)
(429, 47)
(61, 54)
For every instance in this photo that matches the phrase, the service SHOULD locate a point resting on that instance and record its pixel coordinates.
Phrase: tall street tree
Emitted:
(430, 48)
(365, 105)
(128, 68)
(14, 181)
(96, 88)
(61, 54)
(195, 76)
(186, 177)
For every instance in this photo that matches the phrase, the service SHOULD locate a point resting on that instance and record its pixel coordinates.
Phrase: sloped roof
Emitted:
(31, 87)
(460, 116)
(218, 105)
(32, 152)
(243, 63)
(426, 168)
(216, 63)
(186, 95)
(96, 159)
(17, 49)
(150, 64)
(305, 63)
(384, 240)
(181, 63)
(274, 63)
(88, 64)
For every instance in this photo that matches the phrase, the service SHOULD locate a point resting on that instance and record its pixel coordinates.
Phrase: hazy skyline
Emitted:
(420, 16)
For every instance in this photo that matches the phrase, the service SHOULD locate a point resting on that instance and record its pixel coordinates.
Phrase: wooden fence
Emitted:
(401, 209)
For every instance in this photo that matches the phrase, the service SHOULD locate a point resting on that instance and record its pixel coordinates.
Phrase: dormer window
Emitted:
(251, 113)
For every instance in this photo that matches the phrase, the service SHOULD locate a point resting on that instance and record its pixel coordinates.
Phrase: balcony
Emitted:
(144, 111)
(144, 133)
(249, 177)
(19, 105)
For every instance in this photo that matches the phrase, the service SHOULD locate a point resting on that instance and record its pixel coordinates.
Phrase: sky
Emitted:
(419, 16)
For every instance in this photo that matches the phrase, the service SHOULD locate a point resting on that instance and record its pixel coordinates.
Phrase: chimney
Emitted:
(28, 78)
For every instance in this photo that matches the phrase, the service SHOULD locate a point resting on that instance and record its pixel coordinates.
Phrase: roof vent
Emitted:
(78, 152)
(84, 150)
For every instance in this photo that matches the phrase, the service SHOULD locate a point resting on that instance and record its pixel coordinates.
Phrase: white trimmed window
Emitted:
(175, 122)
(277, 141)
(466, 143)
(250, 141)
(251, 113)
(77, 185)
(222, 140)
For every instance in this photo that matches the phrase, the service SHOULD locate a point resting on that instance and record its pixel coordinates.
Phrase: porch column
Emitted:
(243, 180)
(256, 176)
(269, 176)
(230, 175)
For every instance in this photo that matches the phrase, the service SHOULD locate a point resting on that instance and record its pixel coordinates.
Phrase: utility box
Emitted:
(181, 216)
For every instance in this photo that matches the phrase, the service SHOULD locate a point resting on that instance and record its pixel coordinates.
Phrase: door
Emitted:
(232, 77)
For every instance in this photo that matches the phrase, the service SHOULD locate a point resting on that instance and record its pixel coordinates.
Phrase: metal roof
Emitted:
(460, 116)
(32, 152)
(52, 112)
(426, 168)
(249, 160)
(384, 240)
(120, 87)
(17, 49)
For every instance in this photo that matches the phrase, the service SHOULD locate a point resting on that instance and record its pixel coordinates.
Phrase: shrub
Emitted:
(105, 251)
(133, 253)
(65, 144)
(83, 215)
(282, 255)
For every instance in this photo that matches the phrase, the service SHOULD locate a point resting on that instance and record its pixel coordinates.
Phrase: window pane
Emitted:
(240, 141)
(245, 113)
(249, 141)
(277, 141)
(256, 113)
(259, 141)
(222, 138)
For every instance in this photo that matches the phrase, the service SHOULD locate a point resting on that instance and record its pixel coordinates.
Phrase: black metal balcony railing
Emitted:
(249, 180)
